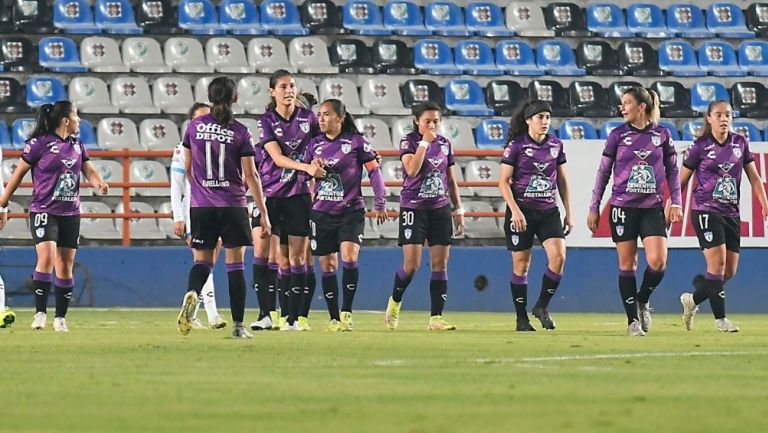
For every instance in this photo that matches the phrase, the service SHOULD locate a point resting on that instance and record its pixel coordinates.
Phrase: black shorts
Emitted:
(229, 223)
(328, 231)
(544, 224)
(433, 225)
(64, 230)
(627, 223)
(290, 215)
(714, 229)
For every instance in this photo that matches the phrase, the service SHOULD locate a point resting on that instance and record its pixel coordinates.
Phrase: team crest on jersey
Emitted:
(737, 152)
(708, 236)
(619, 230)
(367, 146)
(346, 148)
(554, 151)
(78, 150)
(656, 140)
(40, 232)
(407, 233)
(404, 144)
(27, 148)
(313, 244)
(515, 239)
(304, 127)
(444, 149)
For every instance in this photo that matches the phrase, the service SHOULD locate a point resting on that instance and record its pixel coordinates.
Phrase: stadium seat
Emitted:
(201, 93)
(750, 99)
(679, 59)
(491, 134)
(371, 230)
(566, 20)
(158, 134)
(674, 98)
(375, 131)
(607, 19)
(117, 133)
(748, 130)
(110, 171)
(306, 85)
(87, 135)
(21, 129)
(5, 138)
(557, 58)
(588, 99)
(615, 91)
(6, 18)
(692, 129)
(250, 123)
(757, 19)
(90, 95)
(459, 132)
(9, 166)
(553, 93)
(364, 18)
(504, 96)
(392, 171)
(101, 54)
(481, 227)
(60, 54)
(281, 17)
(381, 95)
(268, 55)
(132, 95)
(609, 126)
(527, 20)
(344, 90)
(227, 55)
(157, 17)
(638, 58)
(144, 55)
(703, 93)
(116, 16)
(240, 17)
(673, 131)
(458, 172)
(253, 93)
(33, 16)
(466, 98)
(12, 99)
(143, 170)
(97, 228)
(44, 90)
(172, 94)
(351, 56)
(391, 56)
(475, 57)
(16, 228)
(728, 21)
(74, 16)
(18, 54)
(186, 55)
(401, 127)
(486, 19)
(199, 17)
(753, 57)
(434, 56)
(445, 19)
(597, 58)
(688, 21)
(310, 56)
(166, 224)
(390, 228)
(404, 18)
(321, 17)
(719, 59)
(415, 92)
(573, 129)
(647, 20)
(516, 57)
(484, 170)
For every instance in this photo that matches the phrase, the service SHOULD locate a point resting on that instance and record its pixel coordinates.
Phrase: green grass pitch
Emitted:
(130, 371)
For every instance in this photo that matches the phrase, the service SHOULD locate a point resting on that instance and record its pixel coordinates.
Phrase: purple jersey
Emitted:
(429, 188)
(534, 180)
(217, 172)
(56, 166)
(292, 135)
(344, 159)
(718, 168)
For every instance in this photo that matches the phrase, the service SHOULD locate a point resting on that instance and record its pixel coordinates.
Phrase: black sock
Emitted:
(309, 292)
(284, 291)
(298, 275)
(651, 279)
(700, 292)
(198, 275)
(63, 293)
(260, 271)
(349, 277)
(628, 291)
(42, 285)
(519, 286)
(716, 294)
(549, 283)
(438, 292)
(272, 289)
(402, 280)
(236, 276)
(331, 294)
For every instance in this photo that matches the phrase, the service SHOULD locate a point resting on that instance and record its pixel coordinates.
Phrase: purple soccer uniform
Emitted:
(429, 188)
(56, 166)
(534, 181)
(717, 169)
(217, 173)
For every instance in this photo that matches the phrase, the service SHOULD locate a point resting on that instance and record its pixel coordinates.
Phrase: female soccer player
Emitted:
(532, 172)
(425, 212)
(716, 160)
(286, 128)
(182, 225)
(56, 158)
(642, 157)
(219, 164)
(7, 317)
(338, 213)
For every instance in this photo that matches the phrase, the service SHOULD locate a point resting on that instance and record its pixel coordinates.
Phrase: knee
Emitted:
(411, 268)
(557, 262)
(297, 259)
(328, 267)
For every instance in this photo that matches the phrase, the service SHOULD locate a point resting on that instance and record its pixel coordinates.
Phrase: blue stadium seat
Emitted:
(486, 19)
(20, 131)
(607, 19)
(704, 93)
(574, 129)
(719, 59)
(364, 18)
(240, 17)
(749, 130)
(60, 54)
(475, 57)
(199, 17)
(466, 98)
(516, 58)
(679, 59)
(753, 57)
(44, 90)
(281, 17)
(609, 126)
(88, 135)
(728, 21)
(445, 19)
(673, 131)
(691, 129)
(435, 57)
(116, 16)
(5, 138)
(648, 20)
(404, 18)
(74, 16)
(491, 134)
(557, 58)
(688, 21)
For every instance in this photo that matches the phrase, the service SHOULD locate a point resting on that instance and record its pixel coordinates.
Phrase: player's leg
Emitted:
(63, 285)
(552, 237)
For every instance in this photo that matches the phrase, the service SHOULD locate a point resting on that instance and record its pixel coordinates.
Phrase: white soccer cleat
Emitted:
(287, 326)
(725, 325)
(187, 312)
(262, 324)
(60, 324)
(644, 313)
(218, 322)
(635, 330)
(38, 323)
(196, 323)
(689, 309)
(239, 331)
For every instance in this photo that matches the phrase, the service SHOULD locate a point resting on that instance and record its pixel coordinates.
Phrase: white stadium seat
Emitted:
(186, 55)
(172, 94)
(144, 55)
(227, 55)
(101, 54)
(484, 171)
(90, 95)
(141, 228)
(8, 167)
(110, 171)
(143, 170)
(253, 94)
(484, 227)
(132, 95)
(375, 131)
(158, 134)
(268, 55)
(381, 95)
(97, 228)
(117, 133)
(16, 228)
(345, 90)
(310, 56)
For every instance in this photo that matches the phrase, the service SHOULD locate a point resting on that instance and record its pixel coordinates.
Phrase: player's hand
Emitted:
(103, 188)
(519, 224)
(675, 215)
(567, 225)
(378, 157)
(460, 225)
(429, 134)
(266, 226)
(316, 171)
(381, 216)
(593, 220)
(320, 162)
(3, 219)
(180, 229)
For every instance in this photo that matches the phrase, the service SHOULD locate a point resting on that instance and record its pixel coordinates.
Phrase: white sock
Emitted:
(197, 306)
(2, 294)
(209, 298)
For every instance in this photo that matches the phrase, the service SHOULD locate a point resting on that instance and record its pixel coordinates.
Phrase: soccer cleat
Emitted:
(218, 322)
(689, 309)
(274, 316)
(262, 324)
(282, 322)
(725, 325)
(392, 315)
(346, 321)
(302, 324)
(239, 331)
(38, 322)
(187, 311)
(543, 315)
(524, 326)
(8, 317)
(288, 326)
(644, 313)
(635, 329)
(438, 323)
(196, 323)
(60, 324)
(334, 326)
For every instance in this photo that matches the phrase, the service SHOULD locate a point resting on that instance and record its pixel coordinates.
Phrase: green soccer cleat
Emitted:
(8, 317)
(302, 324)
(438, 323)
(392, 315)
(275, 317)
(187, 312)
(334, 326)
(346, 321)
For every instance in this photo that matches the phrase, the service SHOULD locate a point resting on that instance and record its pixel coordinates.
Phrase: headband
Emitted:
(535, 108)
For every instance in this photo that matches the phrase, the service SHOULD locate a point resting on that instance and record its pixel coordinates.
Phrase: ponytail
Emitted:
(707, 128)
(221, 93)
(530, 108)
(49, 117)
(655, 115)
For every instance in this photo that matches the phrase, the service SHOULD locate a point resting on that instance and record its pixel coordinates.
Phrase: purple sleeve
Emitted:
(451, 158)
(673, 173)
(693, 159)
(748, 156)
(406, 147)
(561, 156)
(185, 140)
(603, 174)
(510, 154)
(379, 190)
(265, 132)
(246, 148)
(366, 152)
(33, 150)
(611, 146)
(308, 152)
(84, 151)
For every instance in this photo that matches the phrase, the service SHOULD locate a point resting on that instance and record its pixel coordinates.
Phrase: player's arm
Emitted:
(252, 179)
(3, 210)
(178, 189)
(565, 195)
(757, 186)
(94, 177)
(505, 178)
(453, 192)
(282, 161)
(412, 162)
(13, 183)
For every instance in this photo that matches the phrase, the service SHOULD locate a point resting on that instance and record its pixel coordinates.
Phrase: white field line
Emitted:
(641, 355)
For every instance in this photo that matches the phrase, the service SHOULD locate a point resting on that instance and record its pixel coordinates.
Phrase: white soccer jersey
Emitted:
(180, 188)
